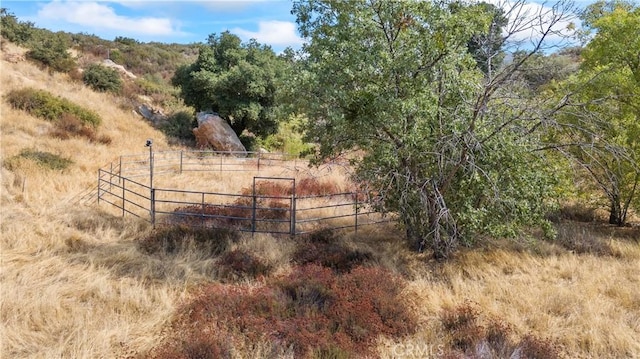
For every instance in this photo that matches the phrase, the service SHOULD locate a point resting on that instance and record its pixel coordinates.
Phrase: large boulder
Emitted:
(215, 132)
(109, 63)
(155, 115)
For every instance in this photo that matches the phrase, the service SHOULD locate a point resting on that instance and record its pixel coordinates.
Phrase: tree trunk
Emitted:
(615, 213)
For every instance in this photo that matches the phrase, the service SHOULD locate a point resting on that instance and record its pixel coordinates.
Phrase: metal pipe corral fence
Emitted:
(280, 213)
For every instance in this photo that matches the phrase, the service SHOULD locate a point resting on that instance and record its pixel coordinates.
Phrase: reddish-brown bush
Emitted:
(311, 186)
(473, 336)
(238, 215)
(463, 326)
(69, 125)
(533, 347)
(312, 310)
(304, 187)
(238, 264)
(324, 249)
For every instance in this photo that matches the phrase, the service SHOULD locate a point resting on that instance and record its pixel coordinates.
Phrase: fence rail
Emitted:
(286, 213)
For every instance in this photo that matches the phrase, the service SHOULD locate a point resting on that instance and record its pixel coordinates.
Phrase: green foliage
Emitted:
(18, 32)
(235, 80)
(44, 159)
(51, 51)
(444, 145)
(42, 104)
(599, 127)
(154, 63)
(486, 46)
(180, 125)
(116, 56)
(102, 78)
(125, 40)
(289, 139)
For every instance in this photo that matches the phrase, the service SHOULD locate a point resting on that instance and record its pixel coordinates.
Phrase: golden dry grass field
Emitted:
(74, 283)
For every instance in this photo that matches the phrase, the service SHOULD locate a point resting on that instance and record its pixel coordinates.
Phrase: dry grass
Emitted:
(75, 283)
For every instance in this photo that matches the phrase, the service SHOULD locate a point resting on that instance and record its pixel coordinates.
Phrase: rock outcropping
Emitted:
(119, 68)
(215, 132)
(155, 115)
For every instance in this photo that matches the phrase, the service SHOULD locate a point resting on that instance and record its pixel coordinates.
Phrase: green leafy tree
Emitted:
(102, 78)
(486, 46)
(600, 128)
(446, 147)
(235, 80)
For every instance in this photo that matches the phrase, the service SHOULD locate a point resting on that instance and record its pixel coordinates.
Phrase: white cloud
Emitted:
(276, 33)
(528, 21)
(96, 16)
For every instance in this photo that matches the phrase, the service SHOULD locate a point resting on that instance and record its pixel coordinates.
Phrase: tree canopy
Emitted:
(234, 79)
(442, 144)
(600, 128)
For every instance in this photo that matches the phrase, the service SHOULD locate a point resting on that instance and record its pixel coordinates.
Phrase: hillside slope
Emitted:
(56, 300)
(74, 284)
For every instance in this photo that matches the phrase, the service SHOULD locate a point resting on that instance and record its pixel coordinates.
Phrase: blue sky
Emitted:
(268, 21)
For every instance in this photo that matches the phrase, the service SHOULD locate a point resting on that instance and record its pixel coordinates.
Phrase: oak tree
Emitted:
(447, 148)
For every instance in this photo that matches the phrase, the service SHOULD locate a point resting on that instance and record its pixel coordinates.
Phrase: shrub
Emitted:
(180, 125)
(311, 310)
(43, 159)
(324, 249)
(473, 336)
(51, 51)
(289, 139)
(304, 187)
(18, 32)
(464, 327)
(534, 348)
(46, 106)
(311, 187)
(176, 239)
(102, 78)
(69, 126)
(238, 264)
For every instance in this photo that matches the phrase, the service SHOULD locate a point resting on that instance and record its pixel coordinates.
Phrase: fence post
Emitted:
(253, 207)
(153, 208)
(123, 191)
(120, 170)
(111, 176)
(99, 177)
(202, 211)
(293, 210)
(356, 213)
(259, 155)
(180, 161)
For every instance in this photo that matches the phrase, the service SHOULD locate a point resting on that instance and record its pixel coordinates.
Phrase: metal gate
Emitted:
(273, 205)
